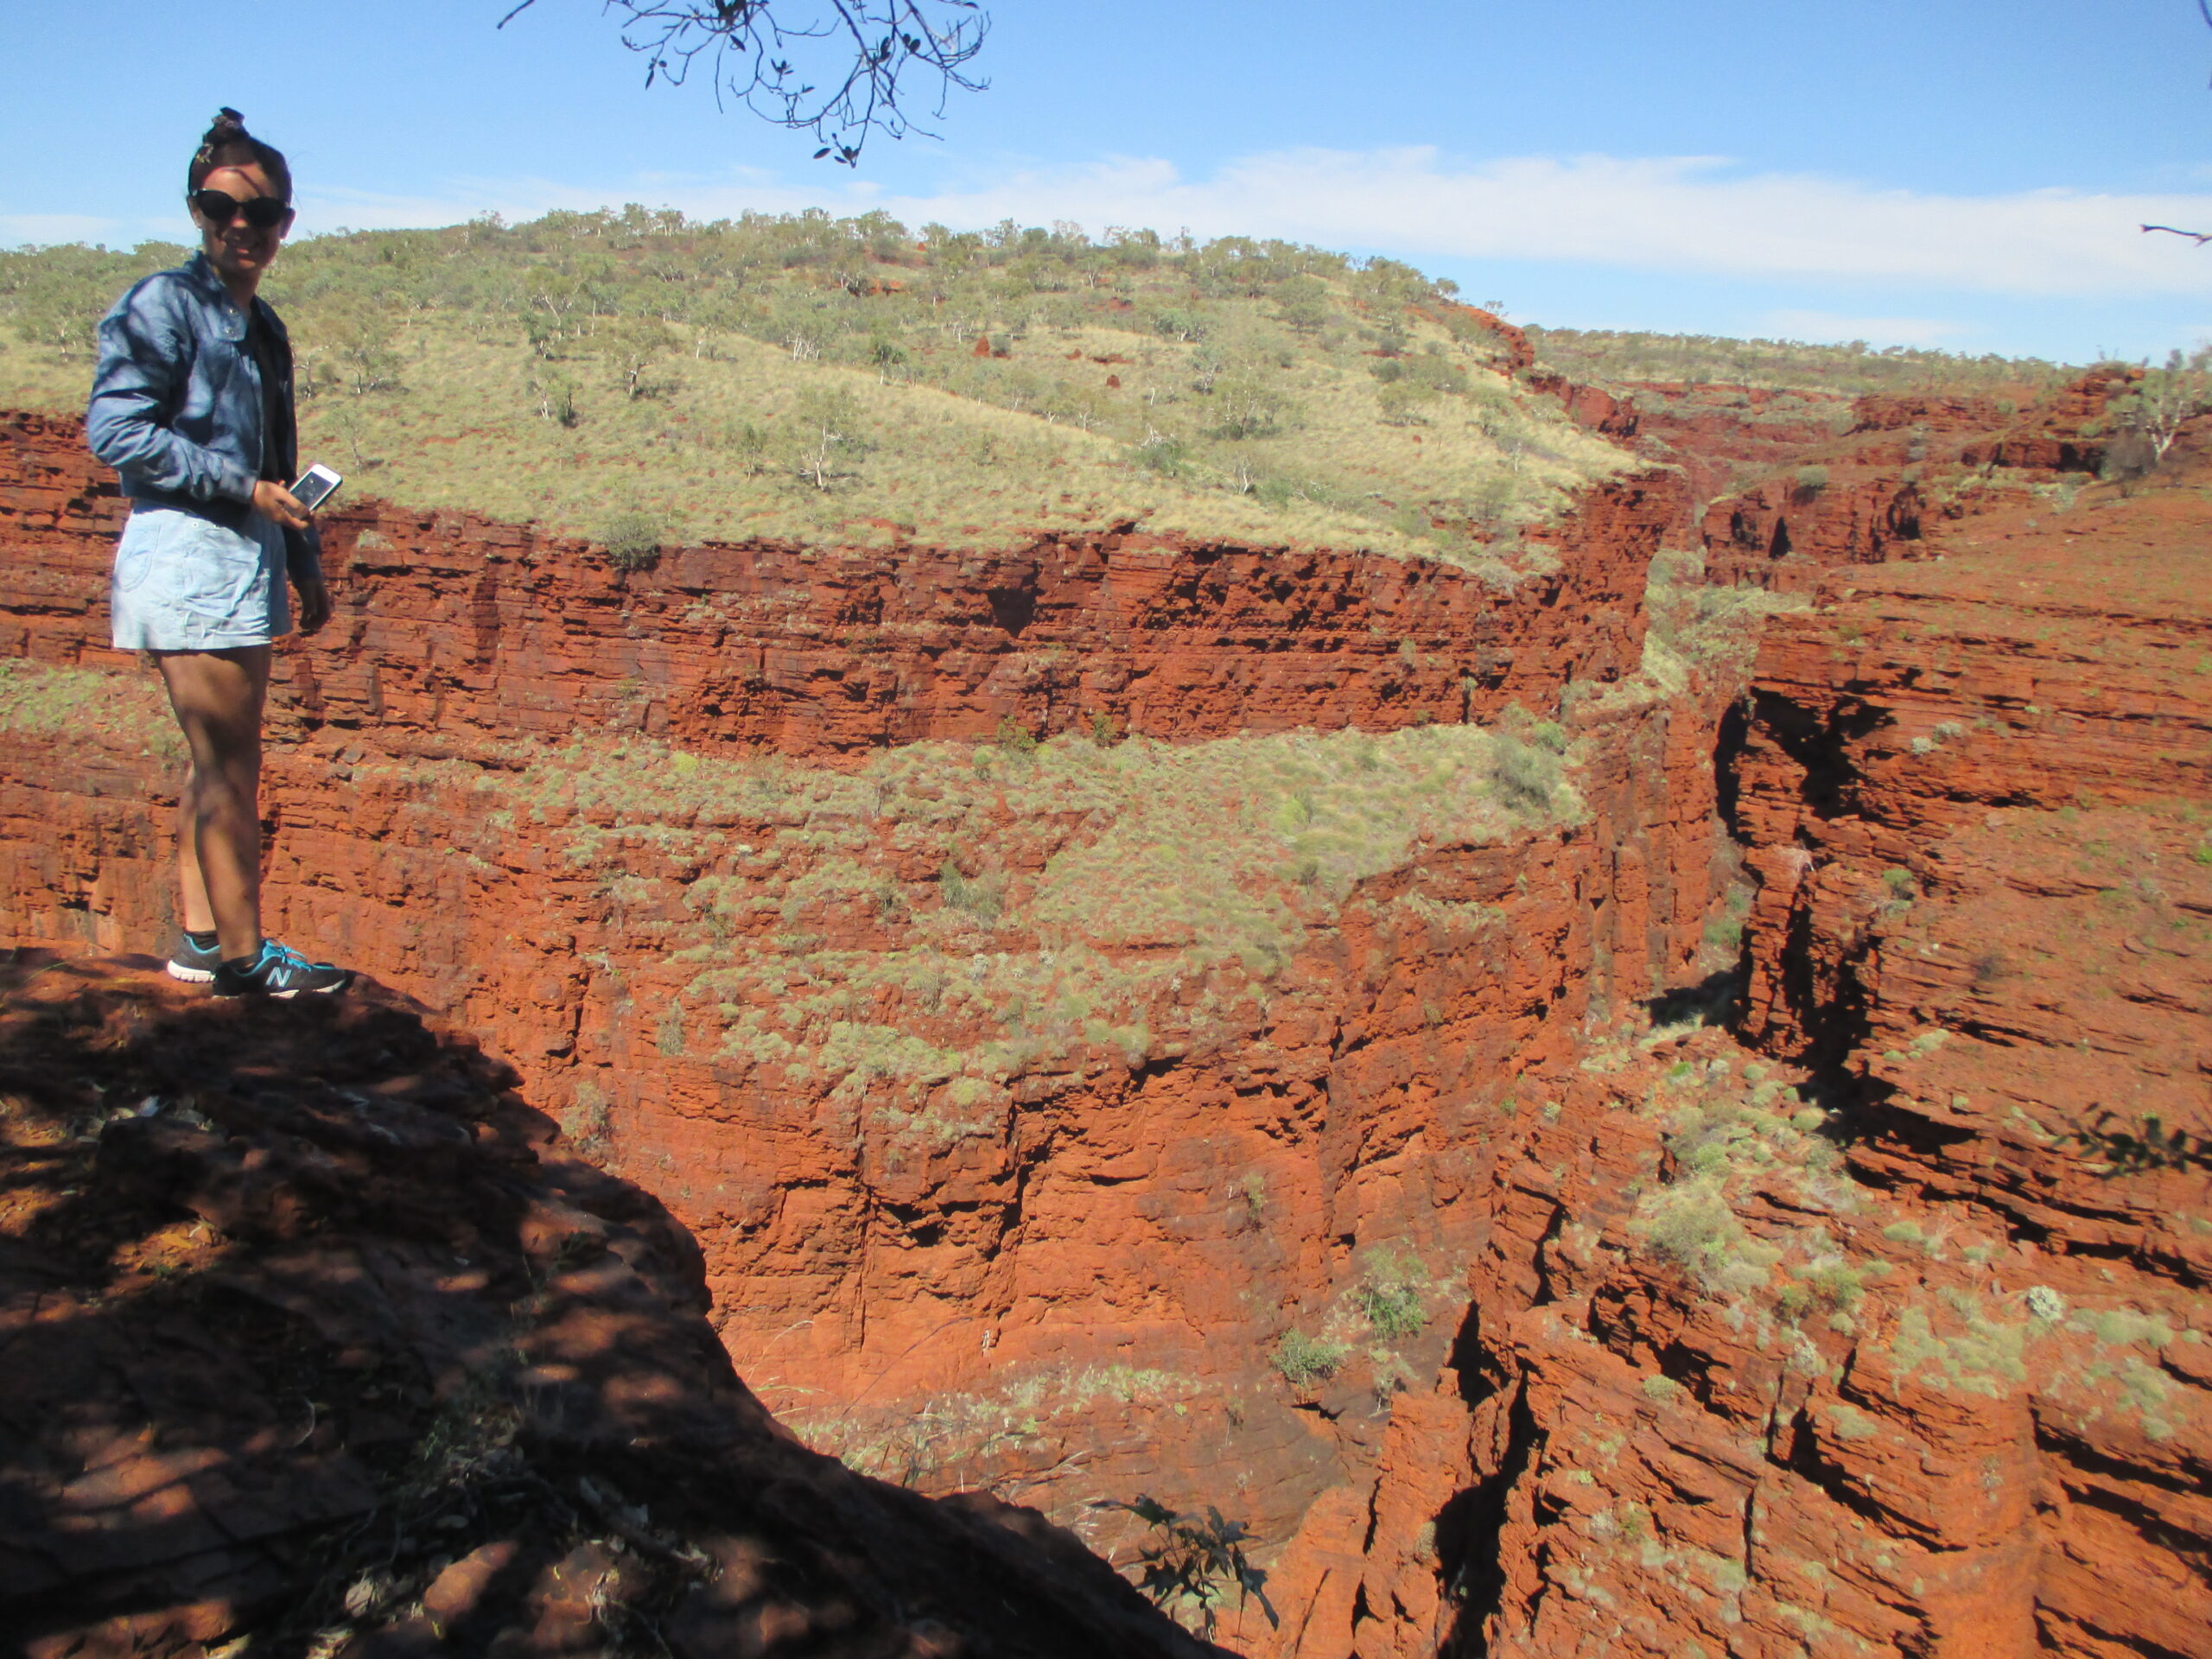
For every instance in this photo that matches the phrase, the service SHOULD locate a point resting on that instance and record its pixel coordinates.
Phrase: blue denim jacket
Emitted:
(176, 402)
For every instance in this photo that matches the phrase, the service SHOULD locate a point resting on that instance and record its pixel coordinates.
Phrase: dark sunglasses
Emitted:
(262, 213)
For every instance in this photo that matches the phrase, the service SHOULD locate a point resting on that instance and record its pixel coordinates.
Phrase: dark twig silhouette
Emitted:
(841, 90)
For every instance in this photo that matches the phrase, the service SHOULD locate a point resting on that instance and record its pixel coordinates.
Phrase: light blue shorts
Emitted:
(184, 583)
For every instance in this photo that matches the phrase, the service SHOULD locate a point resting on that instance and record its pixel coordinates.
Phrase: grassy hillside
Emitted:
(640, 376)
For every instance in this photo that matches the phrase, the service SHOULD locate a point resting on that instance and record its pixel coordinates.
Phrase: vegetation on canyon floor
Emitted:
(1192, 1561)
(1136, 898)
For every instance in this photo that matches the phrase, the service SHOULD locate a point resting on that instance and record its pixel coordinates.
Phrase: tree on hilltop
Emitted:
(835, 70)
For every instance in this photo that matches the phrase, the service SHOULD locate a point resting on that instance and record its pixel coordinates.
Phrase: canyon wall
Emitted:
(1075, 1276)
(1902, 464)
(1880, 1324)
(455, 635)
(1618, 1331)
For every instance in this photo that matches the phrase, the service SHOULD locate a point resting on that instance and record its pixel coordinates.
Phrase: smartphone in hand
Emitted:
(316, 486)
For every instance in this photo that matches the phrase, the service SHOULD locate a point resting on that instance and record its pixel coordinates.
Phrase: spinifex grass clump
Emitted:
(1389, 1296)
(1303, 1359)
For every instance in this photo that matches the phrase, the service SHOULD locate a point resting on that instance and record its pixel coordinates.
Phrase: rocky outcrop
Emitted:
(1872, 494)
(314, 1338)
(1715, 434)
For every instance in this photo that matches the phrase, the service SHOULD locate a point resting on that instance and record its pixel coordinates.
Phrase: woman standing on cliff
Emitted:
(192, 404)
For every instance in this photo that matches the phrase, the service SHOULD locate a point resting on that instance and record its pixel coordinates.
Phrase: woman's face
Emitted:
(238, 249)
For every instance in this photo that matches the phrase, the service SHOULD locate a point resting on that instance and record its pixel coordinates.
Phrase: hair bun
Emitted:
(227, 127)
(227, 133)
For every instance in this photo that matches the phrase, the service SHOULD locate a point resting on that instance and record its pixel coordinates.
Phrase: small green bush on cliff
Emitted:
(634, 539)
(1389, 1296)
(1304, 1360)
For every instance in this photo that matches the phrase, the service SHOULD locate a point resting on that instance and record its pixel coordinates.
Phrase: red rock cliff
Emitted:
(1137, 1234)
(1820, 1339)
(462, 634)
(1881, 1328)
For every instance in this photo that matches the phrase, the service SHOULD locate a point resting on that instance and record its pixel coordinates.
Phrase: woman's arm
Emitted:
(146, 349)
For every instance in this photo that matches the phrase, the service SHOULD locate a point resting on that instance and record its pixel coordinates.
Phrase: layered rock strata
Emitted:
(455, 635)
(1904, 465)
(1106, 1245)
(1881, 1325)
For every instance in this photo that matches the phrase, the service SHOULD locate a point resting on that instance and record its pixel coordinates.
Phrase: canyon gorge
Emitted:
(1651, 1098)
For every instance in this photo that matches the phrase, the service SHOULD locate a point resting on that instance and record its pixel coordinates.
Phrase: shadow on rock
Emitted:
(309, 1332)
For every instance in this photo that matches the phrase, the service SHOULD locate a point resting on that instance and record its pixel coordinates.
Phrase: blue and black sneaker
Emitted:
(194, 962)
(279, 971)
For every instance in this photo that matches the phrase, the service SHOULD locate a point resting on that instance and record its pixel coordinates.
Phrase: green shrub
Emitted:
(982, 897)
(1389, 1297)
(1404, 402)
(632, 538)
(1161, 455)
(1528, 779)
(1303, 1359)
(1253, 1191)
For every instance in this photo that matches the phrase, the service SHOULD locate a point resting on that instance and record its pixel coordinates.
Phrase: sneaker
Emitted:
(192, 963)
(280, 971)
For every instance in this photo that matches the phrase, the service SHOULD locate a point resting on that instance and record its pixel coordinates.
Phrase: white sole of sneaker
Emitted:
(276, 996)
(190, 976)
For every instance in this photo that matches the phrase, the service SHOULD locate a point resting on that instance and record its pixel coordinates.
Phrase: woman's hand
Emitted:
(272, 501)
(314, 603)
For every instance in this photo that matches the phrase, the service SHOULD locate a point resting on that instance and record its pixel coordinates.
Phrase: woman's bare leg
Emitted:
(218, 697)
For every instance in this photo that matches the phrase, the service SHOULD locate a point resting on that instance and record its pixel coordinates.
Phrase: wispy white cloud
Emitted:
(1827, 326)
(1689, 214)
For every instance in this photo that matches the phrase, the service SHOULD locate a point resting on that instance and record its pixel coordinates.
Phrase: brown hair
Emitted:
(225, 138)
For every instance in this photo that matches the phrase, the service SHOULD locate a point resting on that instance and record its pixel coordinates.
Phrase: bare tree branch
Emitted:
(837, 73)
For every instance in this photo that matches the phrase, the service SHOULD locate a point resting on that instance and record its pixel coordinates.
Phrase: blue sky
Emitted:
(1967, 174)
